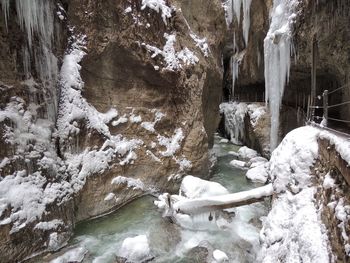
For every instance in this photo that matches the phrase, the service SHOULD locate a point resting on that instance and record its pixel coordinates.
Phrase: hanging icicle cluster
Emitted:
(277, 53)
(36, 19)
(233, 9)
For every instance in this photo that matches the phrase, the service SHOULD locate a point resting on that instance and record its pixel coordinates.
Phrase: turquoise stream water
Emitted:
(101, 238)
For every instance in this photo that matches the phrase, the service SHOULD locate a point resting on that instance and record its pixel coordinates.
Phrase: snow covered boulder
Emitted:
(238, 164)
(258, 173)
(256, 161)
(194, 187)
(135, 249)
(247, 153)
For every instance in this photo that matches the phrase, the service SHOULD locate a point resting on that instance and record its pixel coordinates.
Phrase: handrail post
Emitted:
(325, 107)
(308, 117)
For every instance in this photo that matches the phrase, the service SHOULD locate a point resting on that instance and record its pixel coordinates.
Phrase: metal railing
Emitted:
(326, 107)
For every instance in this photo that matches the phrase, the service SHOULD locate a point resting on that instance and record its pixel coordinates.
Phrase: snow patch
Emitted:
(53, 224)
(201, 43)
(135, 184)
(158, 6)
(172, 144)
(174, 60)
(109, 197)
(328, 182)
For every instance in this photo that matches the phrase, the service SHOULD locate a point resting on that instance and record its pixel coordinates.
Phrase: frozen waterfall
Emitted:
(36, 17)
(277, 53)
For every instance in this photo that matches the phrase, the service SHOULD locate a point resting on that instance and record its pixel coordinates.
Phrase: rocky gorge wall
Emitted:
(332, 177)
(132, 106)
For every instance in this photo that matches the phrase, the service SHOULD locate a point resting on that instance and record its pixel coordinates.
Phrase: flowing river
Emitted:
(100, 240)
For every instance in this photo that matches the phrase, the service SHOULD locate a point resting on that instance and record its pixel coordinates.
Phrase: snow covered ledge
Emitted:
(293, 229)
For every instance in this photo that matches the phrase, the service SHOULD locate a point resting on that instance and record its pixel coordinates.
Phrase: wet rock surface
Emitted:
(118, 72)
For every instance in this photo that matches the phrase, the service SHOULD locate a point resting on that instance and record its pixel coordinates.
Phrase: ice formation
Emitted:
(233, 8)
(234, 119)
(277, 53)
(235, 113)
(36, 17)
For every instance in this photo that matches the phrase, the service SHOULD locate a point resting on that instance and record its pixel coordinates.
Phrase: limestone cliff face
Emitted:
(143, 113)
(119, 72)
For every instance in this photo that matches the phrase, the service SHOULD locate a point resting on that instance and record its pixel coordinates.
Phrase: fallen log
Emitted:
(214, 203)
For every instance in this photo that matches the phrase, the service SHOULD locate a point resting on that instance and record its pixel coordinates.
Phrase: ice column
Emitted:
(277, 52)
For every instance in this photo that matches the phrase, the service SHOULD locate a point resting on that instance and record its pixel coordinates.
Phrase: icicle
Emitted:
(235, 68)
(228, 12)
(236, 6)
(36, 17)
(246, 19)
(277, 52)
(26, 62)
(5, 5)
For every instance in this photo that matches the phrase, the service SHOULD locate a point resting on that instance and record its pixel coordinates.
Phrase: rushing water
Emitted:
(101, 238)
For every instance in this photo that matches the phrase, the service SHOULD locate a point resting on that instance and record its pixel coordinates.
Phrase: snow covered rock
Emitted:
(246, 153)
(258, 173)
(293, 228)
(135, 249)
(220, 256)
(239, 164)
(194, 187)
